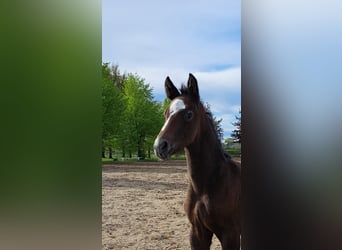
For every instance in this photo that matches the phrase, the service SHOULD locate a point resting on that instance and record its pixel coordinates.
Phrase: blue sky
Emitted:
(156, 39)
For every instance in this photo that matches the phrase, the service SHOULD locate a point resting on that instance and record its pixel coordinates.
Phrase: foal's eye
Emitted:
(188, 115)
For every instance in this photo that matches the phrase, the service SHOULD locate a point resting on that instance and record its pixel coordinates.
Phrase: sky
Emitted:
(156, 39)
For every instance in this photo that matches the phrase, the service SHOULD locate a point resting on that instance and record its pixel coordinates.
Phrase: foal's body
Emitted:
(213, 199)
(212, 204)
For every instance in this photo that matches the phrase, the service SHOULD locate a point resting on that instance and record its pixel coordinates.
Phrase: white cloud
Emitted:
(156, 39)
(229, 79)
(184, 34)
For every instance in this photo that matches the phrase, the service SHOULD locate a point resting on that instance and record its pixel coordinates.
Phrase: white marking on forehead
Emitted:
(175, 106)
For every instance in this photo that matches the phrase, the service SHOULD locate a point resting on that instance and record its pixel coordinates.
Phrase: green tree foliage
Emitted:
(166, 103)
(227, 144)
(236, 134)
(131, 117)
(118, 79)
(113, 107)
(143, 115)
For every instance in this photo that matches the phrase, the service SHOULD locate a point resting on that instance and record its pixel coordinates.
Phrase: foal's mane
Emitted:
(185, 92)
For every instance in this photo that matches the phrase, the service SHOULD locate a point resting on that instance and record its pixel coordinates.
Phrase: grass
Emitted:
(135, 159)
(233, 152)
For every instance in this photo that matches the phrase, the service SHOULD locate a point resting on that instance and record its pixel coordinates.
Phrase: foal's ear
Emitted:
(193, 88)
(170, 89)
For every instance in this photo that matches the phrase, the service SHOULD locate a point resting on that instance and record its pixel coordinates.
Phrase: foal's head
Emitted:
(182, 118)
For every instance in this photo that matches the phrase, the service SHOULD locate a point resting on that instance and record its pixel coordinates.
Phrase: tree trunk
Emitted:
(123, 151)
(103, 153)
(139, 151)
(110, 153)
(140, 147)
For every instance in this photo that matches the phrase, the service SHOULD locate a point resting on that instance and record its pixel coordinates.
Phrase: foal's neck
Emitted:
(204, 157)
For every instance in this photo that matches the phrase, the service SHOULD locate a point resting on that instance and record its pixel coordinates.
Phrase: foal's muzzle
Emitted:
(162, 148)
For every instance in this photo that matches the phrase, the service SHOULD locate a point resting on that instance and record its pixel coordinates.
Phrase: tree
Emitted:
(117, 78)
(166, 103)
(113, 107)
(157, 119)
(227, 144)
(143, 115)
(131, 117)
(236, 134)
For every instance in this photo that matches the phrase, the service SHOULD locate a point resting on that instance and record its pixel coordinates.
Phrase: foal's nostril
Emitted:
(161, 148)
(163, 145)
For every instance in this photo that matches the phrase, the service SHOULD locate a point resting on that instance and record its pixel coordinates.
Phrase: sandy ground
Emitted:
(142, 206)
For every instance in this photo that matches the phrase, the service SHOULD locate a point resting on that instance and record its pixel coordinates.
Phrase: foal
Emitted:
(213, 198)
